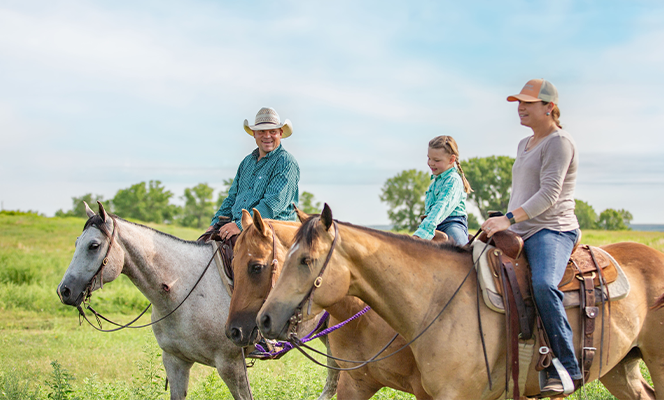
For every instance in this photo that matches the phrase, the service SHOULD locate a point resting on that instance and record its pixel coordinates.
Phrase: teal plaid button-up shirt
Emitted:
(445, 197)
(268, 185)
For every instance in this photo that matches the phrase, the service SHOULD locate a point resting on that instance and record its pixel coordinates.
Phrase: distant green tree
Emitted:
(626, 216)
(308, 204)
(614, 220)
(78, 209)
(491, 180)
(223, 193)
(145, 202)
(473, 223)
(586, 215)
(198, 206)
(404, 194)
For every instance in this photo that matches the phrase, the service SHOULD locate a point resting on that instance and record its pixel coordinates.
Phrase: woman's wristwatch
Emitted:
(510, 216)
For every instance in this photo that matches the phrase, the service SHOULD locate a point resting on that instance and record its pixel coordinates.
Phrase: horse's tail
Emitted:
(659, 303)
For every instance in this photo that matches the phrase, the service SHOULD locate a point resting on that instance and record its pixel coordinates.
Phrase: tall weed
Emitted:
(13, 387)
(59, 383)
(148, 382)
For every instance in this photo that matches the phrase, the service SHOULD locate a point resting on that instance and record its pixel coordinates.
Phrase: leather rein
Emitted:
(297, 318)
(88, 293)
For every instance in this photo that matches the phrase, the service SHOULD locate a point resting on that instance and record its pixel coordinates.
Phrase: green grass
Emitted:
(43, 349)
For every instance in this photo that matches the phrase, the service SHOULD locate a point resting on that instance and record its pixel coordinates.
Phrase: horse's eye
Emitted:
(256, 268)
(305, 261)
(93, 246)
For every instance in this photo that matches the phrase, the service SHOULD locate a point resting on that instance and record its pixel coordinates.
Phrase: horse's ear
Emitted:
(258, 222)
(88, 210)
(326, 216)
(301, 215)
(102, 212)
(246, 219)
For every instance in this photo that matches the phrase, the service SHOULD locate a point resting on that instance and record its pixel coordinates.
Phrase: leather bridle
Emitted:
(297, 316)
(100, 270)
(88, 293)
(274, 262)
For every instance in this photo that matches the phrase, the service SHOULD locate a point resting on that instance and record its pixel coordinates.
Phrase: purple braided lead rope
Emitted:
(287, 346)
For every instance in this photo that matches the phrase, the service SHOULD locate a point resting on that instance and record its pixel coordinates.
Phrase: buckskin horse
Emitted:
(263, 241)
(166, 270)
(409, 281)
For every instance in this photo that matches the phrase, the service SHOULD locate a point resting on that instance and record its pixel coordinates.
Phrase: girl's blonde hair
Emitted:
(449, 145)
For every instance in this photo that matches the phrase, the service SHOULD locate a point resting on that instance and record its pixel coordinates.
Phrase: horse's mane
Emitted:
(309, 234)
(98, 222)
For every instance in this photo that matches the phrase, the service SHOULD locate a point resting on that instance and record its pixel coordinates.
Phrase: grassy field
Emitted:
(43, 350)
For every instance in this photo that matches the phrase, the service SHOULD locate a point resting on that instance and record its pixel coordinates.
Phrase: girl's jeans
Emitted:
(456, 228)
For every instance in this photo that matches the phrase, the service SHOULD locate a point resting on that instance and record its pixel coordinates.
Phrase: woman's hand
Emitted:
(495, 224)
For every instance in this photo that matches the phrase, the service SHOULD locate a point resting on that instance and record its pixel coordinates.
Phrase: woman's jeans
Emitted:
(548, 252)
(456, 228)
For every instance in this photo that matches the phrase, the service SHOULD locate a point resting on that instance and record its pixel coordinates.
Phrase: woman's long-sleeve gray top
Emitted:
(543, 182)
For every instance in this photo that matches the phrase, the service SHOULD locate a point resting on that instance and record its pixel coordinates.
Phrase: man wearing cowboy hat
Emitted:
(266, 179)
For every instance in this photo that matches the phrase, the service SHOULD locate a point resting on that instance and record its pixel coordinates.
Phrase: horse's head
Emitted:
(255, 268)
(97, 258)
(307, 276)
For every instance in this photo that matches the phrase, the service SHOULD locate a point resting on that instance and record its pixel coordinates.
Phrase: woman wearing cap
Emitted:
(541, 210)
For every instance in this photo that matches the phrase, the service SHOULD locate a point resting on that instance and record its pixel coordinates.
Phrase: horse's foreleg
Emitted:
(232, 369)
(332, 381)
(177, 372)
(625, 380)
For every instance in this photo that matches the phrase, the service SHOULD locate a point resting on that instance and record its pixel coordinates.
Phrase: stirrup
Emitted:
(568, 385)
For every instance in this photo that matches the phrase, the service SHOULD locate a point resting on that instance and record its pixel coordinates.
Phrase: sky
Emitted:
(98, 95)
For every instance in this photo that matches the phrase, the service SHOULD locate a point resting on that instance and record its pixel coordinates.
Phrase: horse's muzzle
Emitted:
(270, 330)
(66, 296)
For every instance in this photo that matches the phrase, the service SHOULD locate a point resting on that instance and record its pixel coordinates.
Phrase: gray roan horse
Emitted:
(165, 269)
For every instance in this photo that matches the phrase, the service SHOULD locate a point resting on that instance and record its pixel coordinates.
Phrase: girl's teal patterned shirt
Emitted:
(445, 197)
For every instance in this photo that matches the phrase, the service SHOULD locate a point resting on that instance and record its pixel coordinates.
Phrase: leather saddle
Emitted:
(586, 270)
(509, 247)
(225, 245)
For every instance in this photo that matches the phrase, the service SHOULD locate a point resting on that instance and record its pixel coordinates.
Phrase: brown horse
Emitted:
(360, 339)
(408, 281)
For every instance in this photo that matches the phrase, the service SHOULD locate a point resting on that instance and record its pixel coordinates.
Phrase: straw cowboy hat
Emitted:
(266, 119)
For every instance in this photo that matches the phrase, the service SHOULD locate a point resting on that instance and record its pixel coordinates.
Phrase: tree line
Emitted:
(151, 202)
(491, 180)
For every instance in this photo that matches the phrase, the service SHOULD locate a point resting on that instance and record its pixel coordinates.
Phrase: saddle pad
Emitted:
(494, 300)
(227, 282)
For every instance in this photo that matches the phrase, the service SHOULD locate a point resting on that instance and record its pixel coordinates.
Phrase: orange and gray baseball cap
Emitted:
(537, 90)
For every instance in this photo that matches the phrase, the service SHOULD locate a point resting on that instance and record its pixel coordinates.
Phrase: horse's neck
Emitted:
(157, 262)
(346, 308)
(404, 282)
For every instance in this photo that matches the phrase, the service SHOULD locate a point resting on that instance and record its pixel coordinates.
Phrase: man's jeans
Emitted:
(456, 228)
(548, 252)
